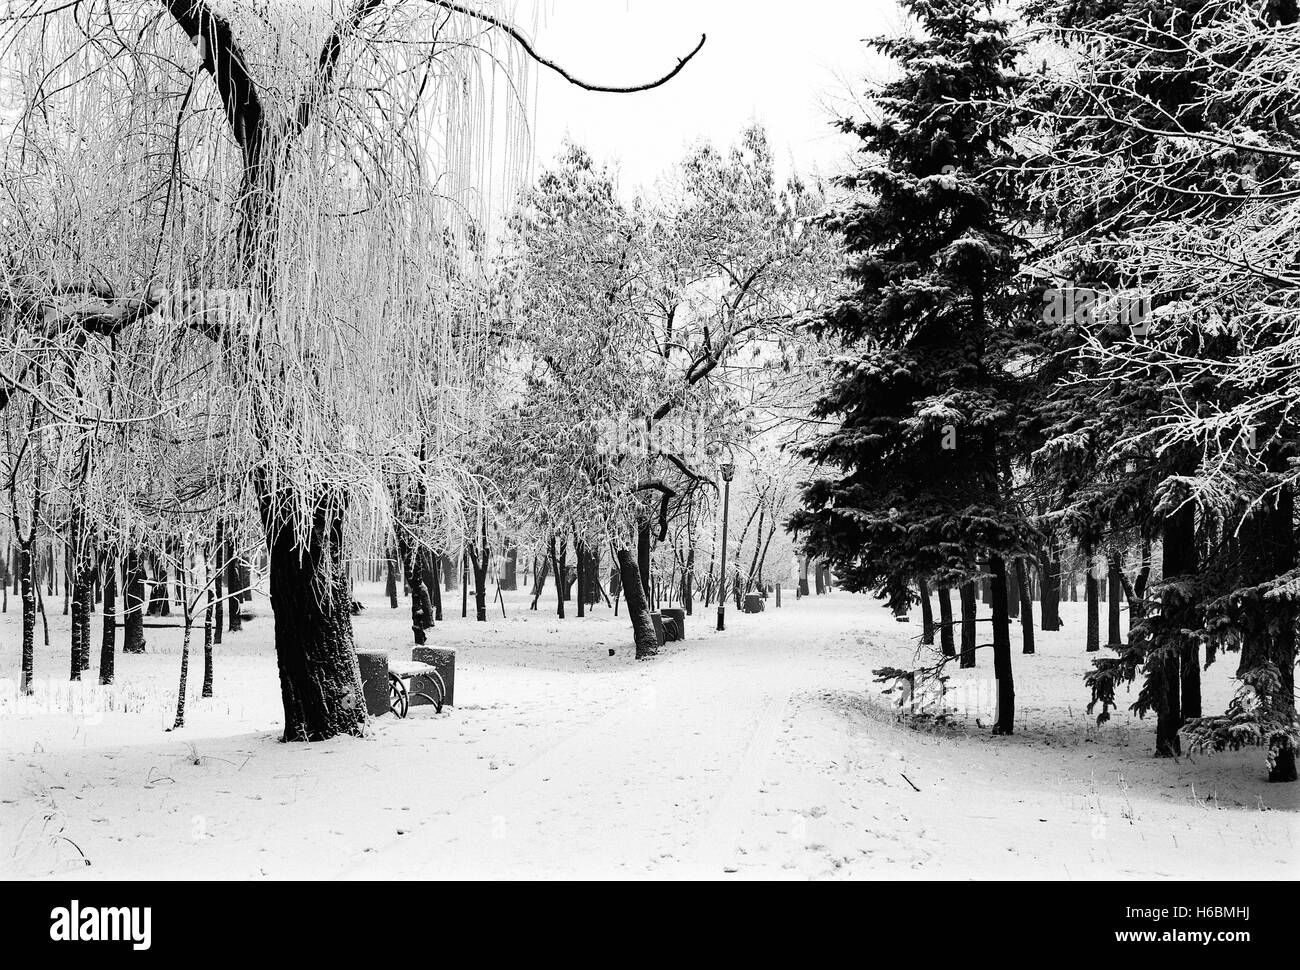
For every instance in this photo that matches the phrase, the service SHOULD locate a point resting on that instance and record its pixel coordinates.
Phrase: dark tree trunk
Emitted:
(390, 583)
(219, 568)
(1026, 608)
(479, 560)
(1013, 593)
(236, 589)
(320, 680)
(1115, 580)
(1002, 649)
(134, 602)
(1051, 597)
(108, 638)
(464, 581)
(433, 583)
(421, 607)
(1281, 512)
(86, 592)
(558, 567)
(1179, 560)
(1094, 609)
(208, 673)
(946, 644)
(969, 606)
(540, 571)
(78, 627)
(580, 563)
(927, 613)
(638, 609)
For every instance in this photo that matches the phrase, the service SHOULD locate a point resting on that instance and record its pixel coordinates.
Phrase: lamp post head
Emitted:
(728, 471)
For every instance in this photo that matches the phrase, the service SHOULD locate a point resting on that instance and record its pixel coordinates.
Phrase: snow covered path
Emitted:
(762, 752)
(661, 779)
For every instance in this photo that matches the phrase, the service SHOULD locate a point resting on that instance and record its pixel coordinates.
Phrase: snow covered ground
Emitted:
(765, 751)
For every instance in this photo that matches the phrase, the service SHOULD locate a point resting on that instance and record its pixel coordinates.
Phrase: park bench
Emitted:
(395, 686)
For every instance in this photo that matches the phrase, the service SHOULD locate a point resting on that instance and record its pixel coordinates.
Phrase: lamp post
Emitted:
(728, 473)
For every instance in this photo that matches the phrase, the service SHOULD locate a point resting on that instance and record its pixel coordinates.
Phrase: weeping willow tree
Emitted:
(287, 197)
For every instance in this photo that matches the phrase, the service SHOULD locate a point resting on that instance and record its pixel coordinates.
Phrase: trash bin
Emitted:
(443, 659)
(678, 620)
(754, 603)
(374, 680)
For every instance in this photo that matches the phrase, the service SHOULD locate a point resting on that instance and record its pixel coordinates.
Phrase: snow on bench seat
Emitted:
(406, 669)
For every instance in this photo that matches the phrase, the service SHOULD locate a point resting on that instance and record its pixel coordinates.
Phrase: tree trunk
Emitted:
(433, 583)
(185, 674)
(235, 588)
(1026, 608)
(108, 639)
(320, 679)
(1114, 579)
(539, 579)
(1002, 649)
(638, 609)
(27, 585)
(556, 567)
(927, 613)
(1179, 559)
(1282, 767)
(134, 602)
(969, 606)
(390, 583)
(219, 568)
(421, 608)
(479, 561)
(78, 627)
(581, 566)
(208, 673)
(1051, 594)
(1094, 609)
(945, 622)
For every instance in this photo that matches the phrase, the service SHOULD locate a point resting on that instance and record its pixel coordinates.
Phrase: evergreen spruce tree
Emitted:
(916, 479)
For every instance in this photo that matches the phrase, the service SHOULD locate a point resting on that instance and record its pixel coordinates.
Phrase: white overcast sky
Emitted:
(791, 66)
